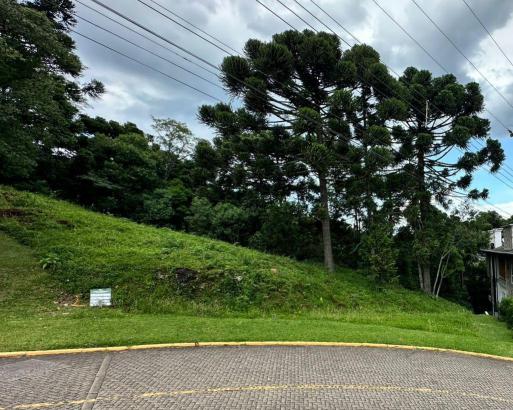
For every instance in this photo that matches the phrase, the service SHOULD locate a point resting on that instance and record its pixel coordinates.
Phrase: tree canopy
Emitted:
(320, 154)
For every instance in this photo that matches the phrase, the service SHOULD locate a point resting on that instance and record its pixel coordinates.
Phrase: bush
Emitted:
(378, 254)
(506, 311)
(223, 221)
(285, 231)
(168, 206)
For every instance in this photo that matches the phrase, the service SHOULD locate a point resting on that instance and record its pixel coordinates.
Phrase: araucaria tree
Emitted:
(300, 84)
(434, 140)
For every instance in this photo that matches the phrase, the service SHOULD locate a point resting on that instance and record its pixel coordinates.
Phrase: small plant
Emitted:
(50, 261)
(506, 311)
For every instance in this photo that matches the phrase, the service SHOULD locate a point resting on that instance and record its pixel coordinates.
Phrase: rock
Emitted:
(184, 276)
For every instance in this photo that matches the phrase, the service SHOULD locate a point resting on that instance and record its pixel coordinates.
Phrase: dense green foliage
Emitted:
(39, 94)
(506, 311)
(155, 269)
(324, 155)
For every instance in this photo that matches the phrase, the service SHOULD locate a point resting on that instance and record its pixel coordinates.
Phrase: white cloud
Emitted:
(135, 93)
(505, 209)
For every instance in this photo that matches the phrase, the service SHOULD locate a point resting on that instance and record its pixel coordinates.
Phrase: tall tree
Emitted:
(291, 82)
(443, 119)
(39, 91)
(255, 166)
(366, 105)
(176, 142)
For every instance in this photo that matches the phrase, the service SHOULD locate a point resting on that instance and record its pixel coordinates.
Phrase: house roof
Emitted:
(499, 250)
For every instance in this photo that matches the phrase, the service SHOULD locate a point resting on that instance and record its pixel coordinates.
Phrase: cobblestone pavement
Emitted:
(257, 378)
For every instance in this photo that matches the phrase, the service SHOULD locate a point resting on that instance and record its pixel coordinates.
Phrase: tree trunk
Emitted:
(426, 277)
(424, 204)
(419, 270)
(325, 221)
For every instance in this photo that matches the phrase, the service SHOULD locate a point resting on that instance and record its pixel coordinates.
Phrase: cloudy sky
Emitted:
(136, 93)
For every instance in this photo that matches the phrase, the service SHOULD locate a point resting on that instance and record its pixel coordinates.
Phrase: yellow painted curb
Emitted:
(30, 353)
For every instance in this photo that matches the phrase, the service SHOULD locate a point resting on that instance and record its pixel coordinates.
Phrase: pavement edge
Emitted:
(31, 353)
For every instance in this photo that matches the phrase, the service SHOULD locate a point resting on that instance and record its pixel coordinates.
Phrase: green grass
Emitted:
(85, 250)
(276, 298)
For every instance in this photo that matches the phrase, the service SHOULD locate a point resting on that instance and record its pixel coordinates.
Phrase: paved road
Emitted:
(257, 378)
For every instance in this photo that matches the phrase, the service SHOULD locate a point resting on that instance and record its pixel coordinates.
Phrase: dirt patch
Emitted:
(14, 212)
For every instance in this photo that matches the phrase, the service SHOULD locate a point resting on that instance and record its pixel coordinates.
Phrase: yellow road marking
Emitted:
(263, 388)
(269, 343)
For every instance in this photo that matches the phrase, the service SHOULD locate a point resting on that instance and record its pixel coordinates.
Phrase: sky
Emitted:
(137, 93)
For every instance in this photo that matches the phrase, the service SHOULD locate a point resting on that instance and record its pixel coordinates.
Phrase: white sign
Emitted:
(100, 297)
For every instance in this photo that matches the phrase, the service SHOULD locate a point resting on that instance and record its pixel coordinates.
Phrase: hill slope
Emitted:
(159, 270)
(274, 299)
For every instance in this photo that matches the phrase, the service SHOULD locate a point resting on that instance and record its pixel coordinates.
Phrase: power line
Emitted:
(196, 27)
(181, 25)
(436, 61)
(485, 29)
(506, 168)
(151, 52)
(187, 51)
(336, 22)
(148, 38)
(212, 36)
(101, 4)
(241, 81)
(410, 36)
(135, 23)
(135, 60)
(461, 52)
(481, 199)
(145, 65)
(297, 15)
(119, 14)
(441, 66)
(436, 176)
(309, 12)
(268, 9)
(157, 43)
(210, 42)
(451, 182)
(508, 214)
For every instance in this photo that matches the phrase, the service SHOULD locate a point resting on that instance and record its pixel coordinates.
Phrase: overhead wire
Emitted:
(487, 31)
(146, 37)
(276, 15)
(452, 182)
(445, 69)
(144, 64)
(150, 52)
(377, 154)
(203, 60)
(297, 15)
(193, 25)
(461, 52)
(159, 35)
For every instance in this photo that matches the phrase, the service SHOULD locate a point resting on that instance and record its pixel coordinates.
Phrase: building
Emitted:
(499, 264)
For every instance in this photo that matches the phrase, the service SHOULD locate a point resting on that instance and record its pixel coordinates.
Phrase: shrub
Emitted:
(378, 254)
(168, 206)
(506, 310)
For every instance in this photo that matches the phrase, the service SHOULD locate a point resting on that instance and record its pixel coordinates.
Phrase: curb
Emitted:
(31, 353)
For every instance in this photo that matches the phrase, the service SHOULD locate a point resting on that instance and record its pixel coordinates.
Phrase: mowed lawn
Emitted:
(33, 315)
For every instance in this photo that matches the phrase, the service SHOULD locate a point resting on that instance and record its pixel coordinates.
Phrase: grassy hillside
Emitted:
(236, 294)
(159, 270)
